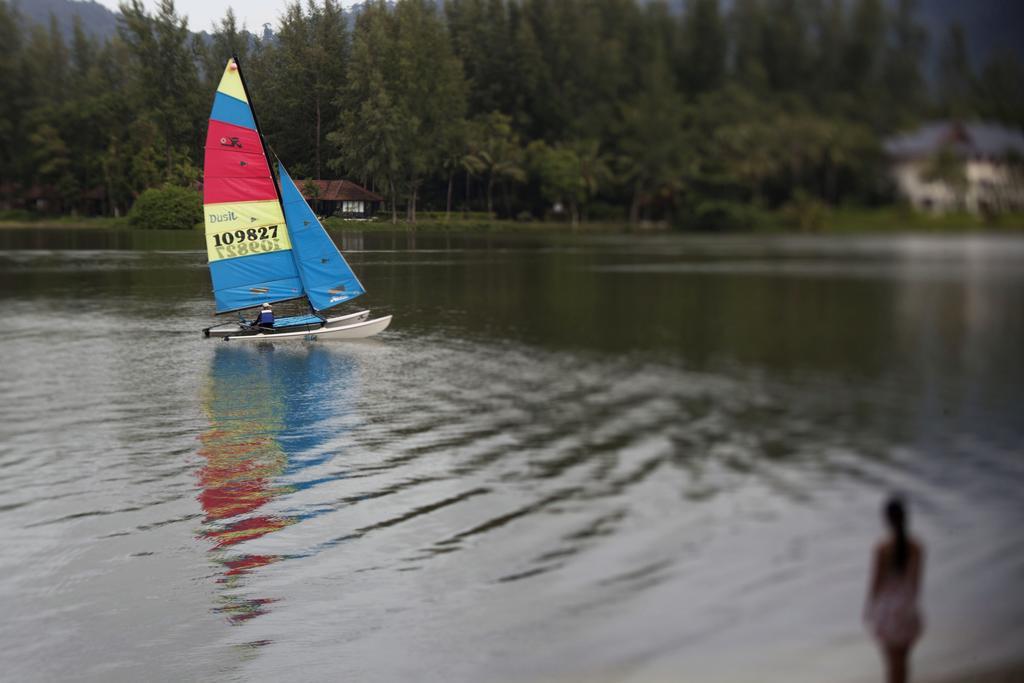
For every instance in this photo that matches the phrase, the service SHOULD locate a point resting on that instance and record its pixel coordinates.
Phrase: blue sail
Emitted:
(326, 277)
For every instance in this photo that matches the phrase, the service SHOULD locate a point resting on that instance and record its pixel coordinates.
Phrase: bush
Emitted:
(167, 208)
(718, 216)
(19, 215)
(805, 212)
(605, 211)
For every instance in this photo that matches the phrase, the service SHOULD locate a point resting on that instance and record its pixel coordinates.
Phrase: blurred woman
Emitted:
(892, 610)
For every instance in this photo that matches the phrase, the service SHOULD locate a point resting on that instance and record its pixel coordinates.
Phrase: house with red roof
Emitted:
(341, 198)
(952, 165)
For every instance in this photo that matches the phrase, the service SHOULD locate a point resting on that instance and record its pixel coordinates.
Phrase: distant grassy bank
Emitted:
(814, 220)
(482, 224)
(901, 219)
(23, 220)
(843, 220)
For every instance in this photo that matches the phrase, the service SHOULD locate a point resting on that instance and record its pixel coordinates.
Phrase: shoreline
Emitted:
(889, 220)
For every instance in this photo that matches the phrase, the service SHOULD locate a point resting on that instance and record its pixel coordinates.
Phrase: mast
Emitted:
(266, 148)
(259, 129)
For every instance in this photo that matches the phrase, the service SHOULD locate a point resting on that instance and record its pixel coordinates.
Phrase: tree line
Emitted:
(585, 109)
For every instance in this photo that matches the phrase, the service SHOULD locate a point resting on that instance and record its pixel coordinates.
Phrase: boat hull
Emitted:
(352, 330)
(234, 329)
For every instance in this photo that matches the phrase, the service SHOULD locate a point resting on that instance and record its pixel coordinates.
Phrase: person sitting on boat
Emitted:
(265, 320)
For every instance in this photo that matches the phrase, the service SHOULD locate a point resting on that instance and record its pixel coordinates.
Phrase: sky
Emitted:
(202, 14)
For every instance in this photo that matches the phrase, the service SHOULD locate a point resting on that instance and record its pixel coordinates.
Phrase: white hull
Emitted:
(233, 329)
(351, 330)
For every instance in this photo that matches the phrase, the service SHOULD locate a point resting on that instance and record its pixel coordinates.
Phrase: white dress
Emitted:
(894, 615)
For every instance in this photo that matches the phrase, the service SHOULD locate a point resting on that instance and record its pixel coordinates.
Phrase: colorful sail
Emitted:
(326, 276)
(247, 240)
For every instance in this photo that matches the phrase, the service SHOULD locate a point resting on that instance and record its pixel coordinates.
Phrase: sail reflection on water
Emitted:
(267, 409)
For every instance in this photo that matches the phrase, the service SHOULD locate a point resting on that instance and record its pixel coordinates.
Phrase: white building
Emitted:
(993, 159)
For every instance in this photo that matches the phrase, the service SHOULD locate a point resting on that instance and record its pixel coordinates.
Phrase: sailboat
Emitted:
(263, 242)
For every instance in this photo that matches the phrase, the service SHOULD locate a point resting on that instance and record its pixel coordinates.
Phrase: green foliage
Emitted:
(655, 151)
(311, 190)
(296, 80)
(10, 72)
(999, 89)
(569, 174)
(228, 41)
(704, 45)
(955, 73)
(16, 215)
(559, 171)
(805, 213)
(163, 75)
(708, 117)
(719, 216)
(403, 105)
(51, 159)
(494, 152)
(904, 86)
(167, 208)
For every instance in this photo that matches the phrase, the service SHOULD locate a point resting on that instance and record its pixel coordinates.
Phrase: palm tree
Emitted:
(494, 151)
(595, 171)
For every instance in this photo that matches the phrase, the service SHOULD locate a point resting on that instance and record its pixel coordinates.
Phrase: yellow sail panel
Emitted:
(234, 215)
(247, 242)
(231, 82)
(244, 229)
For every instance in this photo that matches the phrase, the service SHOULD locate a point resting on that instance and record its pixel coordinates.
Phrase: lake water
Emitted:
(570, 458)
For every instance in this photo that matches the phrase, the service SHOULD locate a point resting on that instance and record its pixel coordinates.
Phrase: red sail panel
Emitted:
(226, 136)
(236, 169)
(233, 164)
(223, 190)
